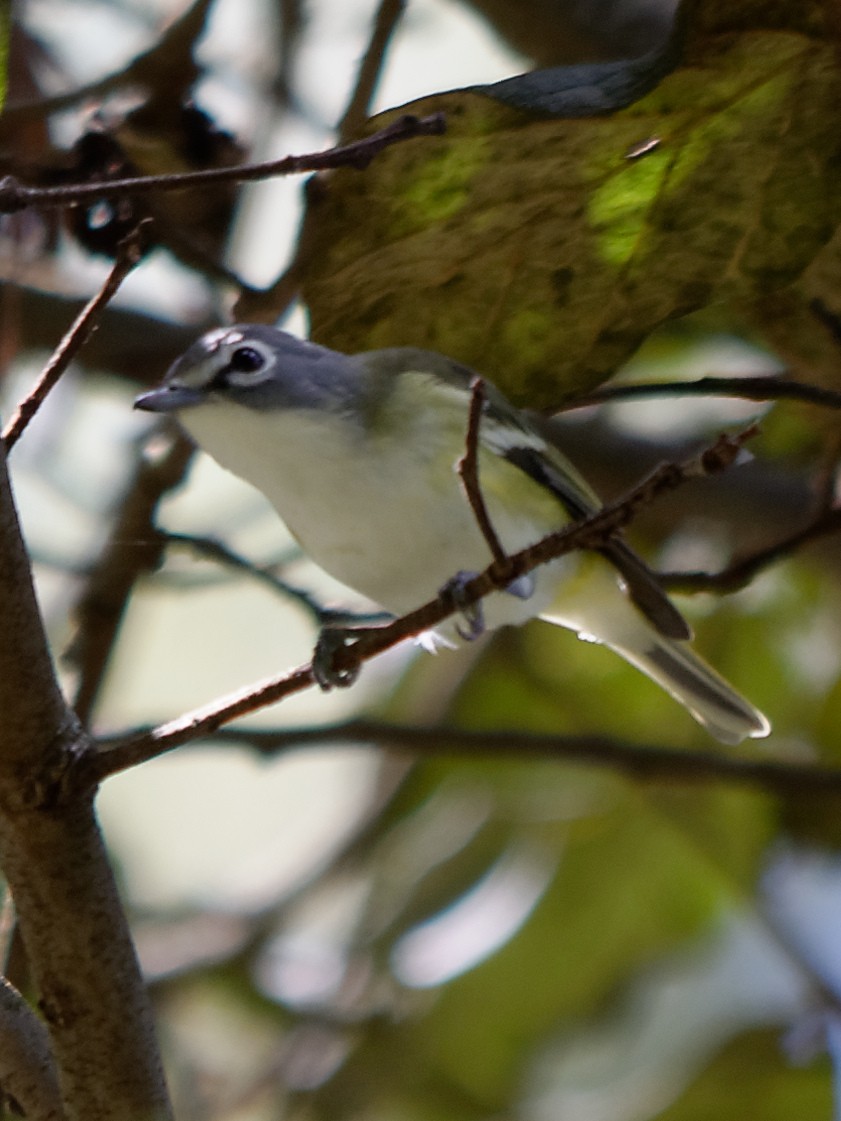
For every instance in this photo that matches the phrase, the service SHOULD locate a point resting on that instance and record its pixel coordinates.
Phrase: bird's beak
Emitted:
(169, 398)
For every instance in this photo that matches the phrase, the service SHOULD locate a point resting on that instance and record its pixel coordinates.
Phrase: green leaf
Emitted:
(542, 253)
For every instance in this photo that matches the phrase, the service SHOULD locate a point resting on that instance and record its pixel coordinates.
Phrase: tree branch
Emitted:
(738, 574)
(766, 387)
(385, 24)
(27, 1070)
(646, 762)
(468, 471)
(15, 196)
(212, 549)
(171, 55)
(128, 255)
(76, 936)
(134, 547)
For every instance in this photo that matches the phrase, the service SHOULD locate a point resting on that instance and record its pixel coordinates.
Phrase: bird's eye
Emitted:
(246, 360)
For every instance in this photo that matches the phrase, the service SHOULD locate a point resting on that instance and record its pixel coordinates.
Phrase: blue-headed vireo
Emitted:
(358, 453)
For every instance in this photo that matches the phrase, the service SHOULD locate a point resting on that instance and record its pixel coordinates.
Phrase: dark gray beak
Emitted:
(169, 398)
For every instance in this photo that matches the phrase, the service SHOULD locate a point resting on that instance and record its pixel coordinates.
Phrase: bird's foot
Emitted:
(472, 625)
(339, 631)
(331, 640)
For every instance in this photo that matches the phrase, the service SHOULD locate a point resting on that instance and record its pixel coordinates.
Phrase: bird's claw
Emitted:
(523, 587)
(473, 617)
(473, 624)
(327, 675)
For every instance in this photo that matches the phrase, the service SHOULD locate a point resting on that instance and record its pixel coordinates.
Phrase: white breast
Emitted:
(387, 518)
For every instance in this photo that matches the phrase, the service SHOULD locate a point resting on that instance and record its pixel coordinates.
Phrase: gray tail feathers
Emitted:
(713, 703)
(596, 608)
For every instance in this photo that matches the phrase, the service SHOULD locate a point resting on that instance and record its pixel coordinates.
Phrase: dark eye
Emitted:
(246, 360)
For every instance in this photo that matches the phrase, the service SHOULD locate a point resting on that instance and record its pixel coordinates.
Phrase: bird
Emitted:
(358, 455)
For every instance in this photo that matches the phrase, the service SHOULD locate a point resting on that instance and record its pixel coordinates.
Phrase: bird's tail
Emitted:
(671, 663)
(712, 701)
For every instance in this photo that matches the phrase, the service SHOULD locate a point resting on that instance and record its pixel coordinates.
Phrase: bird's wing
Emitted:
(540, 458)
(529, 442)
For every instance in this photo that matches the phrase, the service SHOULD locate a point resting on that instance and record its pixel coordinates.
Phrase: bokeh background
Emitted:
(349, 928)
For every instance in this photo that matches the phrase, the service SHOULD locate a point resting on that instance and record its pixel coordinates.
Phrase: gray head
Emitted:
(258, 367)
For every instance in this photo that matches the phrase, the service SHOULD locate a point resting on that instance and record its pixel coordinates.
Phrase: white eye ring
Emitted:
(248, 363)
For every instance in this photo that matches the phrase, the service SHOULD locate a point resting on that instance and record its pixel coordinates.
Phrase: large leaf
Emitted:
(543, 251)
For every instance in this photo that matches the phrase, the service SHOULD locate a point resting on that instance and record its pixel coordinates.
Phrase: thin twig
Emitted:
(173, 53)
(15, 196)
(128, 254)
(132, 549)
(766, 387)
(641, 761)
(591, 533)
(385, 24)
(213, 549)
(468, 471)
(277, 298)
(742, 571)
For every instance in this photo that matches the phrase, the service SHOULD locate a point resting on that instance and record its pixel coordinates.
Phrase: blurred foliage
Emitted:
(503, 935)
(5, 27)
(724, 1090)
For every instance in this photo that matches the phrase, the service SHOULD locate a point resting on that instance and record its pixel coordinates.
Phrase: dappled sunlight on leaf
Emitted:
(478, 244)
